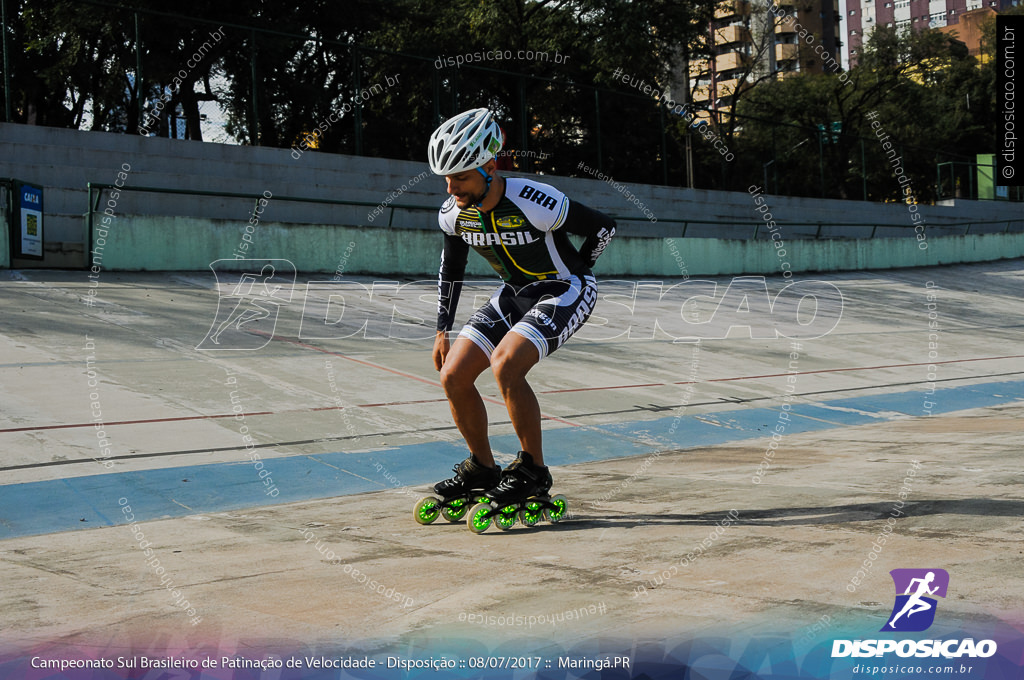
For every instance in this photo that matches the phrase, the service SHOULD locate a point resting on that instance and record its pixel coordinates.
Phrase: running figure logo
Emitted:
(248, 303)
(914, 611)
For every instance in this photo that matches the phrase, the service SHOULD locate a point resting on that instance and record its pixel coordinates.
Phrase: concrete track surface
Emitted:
(170, 494)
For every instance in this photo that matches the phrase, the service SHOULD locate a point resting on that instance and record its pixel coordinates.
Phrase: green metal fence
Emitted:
(794, 230)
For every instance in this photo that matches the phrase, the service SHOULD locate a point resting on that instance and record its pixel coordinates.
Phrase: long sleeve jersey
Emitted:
(525, 239)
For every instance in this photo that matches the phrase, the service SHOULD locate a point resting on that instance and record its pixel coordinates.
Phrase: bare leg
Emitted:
(512, 360)
(463, 365)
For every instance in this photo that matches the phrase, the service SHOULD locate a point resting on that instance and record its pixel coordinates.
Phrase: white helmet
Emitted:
(464, 142)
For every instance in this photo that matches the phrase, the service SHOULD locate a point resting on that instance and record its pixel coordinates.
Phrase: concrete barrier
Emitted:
(164, 231)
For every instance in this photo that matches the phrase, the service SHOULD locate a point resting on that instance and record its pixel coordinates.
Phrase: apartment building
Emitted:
(863, 15)
(763, 41)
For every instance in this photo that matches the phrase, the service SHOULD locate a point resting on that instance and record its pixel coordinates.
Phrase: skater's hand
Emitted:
(441, 347)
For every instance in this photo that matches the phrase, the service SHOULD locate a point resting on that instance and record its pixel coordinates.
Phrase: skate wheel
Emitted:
(506, 519)
(427, 509)
(455, 510)
(479, 518)
(556, 514)
(531, 514)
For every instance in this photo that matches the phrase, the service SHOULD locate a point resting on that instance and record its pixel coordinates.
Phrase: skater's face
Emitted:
(468, 187)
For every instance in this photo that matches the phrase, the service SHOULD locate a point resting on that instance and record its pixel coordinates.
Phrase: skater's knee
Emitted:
(506, 369)
(454, 379)
(510, 366)
(449, 378)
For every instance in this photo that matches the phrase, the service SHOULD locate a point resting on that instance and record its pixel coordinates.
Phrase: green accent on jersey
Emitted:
(494, 258)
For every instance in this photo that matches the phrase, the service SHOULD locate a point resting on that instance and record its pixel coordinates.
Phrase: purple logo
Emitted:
(914, 609)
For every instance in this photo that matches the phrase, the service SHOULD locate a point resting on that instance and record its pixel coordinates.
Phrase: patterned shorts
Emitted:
(546, 313)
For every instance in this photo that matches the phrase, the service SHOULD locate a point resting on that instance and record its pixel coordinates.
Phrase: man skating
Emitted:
(521, 228)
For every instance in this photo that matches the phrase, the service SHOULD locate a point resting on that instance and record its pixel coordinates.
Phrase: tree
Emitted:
(70, 67)
(547, 103)
(79, 66)
(915, 83)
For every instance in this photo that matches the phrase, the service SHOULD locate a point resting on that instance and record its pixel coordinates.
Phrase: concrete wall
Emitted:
(64, 161)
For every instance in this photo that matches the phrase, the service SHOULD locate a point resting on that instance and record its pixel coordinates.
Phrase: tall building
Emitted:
(764, 41)
(863, 15)
(970, 30)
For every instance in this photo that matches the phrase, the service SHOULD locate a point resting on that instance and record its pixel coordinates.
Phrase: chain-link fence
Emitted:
(182, 77)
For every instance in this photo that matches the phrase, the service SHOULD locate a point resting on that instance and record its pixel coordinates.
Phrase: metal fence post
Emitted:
(7, 63)
(140, 90)
(775, 163)
(597, 129)
(456, 83)
(254, 119)
(664, 145)
(524, 124)
(821, 162)
(863, 169)
(88, 223)
(357, 110)
(436, 81)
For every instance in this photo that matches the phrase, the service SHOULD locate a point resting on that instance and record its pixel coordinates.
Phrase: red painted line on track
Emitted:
(304, 345)
(134, 422)
(493, 401)
(433, 383)
(145, 421)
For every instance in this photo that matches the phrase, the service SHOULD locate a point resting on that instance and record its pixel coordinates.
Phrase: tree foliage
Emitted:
(921, 87)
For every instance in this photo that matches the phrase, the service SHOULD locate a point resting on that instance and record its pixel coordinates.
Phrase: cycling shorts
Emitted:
(546, 313)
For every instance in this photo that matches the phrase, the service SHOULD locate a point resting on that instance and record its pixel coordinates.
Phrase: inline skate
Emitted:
(455, 495)
(522, 495)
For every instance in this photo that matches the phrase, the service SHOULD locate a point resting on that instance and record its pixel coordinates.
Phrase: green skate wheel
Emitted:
(561, 506)
(506, 519)
(531, 514)
(427, 509)
(455, 511)
(478, 519)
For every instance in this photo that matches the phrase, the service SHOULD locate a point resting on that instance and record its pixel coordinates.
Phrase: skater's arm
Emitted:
(597, 227)
(449, 280)
(442, 345)
(449, 287)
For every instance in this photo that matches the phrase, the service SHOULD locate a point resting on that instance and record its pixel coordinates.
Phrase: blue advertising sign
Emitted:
(29, 220)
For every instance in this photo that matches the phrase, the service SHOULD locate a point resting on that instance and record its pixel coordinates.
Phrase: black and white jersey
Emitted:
(525, 239)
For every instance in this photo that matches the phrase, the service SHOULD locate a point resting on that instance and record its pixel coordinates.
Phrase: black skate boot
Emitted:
(469, 476)
(522, 479)
(522, 494)
(468, 485)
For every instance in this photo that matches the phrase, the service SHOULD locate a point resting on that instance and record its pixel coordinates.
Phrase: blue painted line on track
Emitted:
(35, 508)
